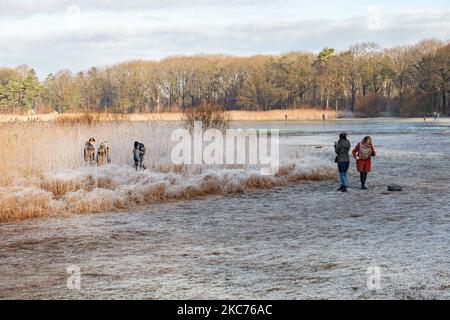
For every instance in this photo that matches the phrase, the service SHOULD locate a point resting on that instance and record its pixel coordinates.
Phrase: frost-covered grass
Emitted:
(43, 172)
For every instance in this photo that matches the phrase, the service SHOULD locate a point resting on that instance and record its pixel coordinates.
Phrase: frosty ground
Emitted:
(290, 242)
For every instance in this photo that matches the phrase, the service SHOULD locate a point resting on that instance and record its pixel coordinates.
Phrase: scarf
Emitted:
(365, 151)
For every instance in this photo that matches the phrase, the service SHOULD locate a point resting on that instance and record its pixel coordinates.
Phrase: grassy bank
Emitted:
(272, 115)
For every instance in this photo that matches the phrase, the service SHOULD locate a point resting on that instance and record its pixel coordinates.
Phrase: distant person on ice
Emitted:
(363, 152)
(138, 154)
(103, 154)
(342, 149)
(89, 152)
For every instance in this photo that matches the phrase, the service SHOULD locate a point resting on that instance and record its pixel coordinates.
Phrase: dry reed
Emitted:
(304, 114)
(42, 172)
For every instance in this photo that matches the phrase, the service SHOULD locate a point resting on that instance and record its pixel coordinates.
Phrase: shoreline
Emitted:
(235, 115)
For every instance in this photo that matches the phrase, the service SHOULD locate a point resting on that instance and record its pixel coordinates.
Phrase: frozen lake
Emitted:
(292, 242)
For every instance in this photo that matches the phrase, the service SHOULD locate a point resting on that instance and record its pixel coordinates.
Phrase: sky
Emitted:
(50, 35)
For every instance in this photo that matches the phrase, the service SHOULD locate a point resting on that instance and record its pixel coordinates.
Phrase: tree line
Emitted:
(366, 79)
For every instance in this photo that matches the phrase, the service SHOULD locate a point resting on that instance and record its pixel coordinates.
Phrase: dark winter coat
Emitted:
(342, 149)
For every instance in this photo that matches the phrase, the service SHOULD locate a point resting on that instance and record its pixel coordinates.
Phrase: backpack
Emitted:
(101, 148)
(142, 148)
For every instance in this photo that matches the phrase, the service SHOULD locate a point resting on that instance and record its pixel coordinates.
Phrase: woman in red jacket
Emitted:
(362, 152)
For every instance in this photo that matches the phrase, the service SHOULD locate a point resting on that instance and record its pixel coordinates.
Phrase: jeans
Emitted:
(343, 168)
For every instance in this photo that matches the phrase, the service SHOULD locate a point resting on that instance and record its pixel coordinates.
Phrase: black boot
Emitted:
(363, 176)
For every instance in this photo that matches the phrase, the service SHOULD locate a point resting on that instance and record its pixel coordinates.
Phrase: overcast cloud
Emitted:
(50, 35)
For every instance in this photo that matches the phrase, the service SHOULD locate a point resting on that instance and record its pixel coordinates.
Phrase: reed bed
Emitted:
(42, 171)
(304, 114)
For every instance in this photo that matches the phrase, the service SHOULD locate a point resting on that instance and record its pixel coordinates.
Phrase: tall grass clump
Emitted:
(76, 119)
(86, 118)
(211, 116)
